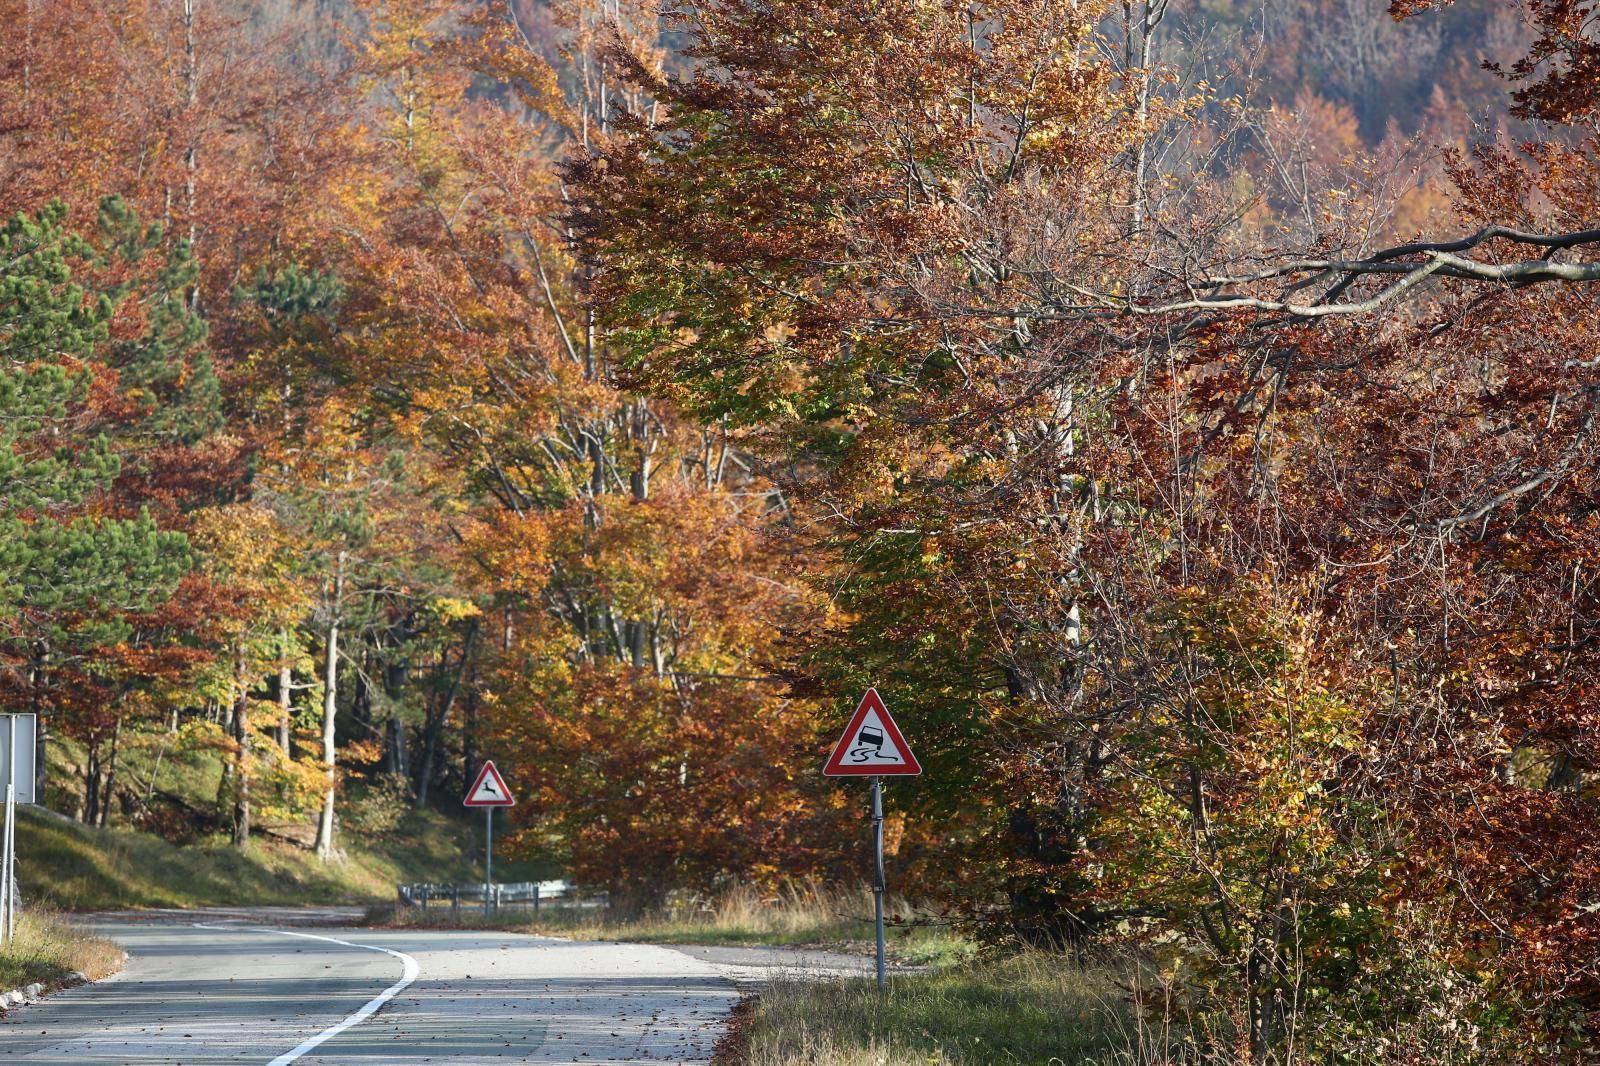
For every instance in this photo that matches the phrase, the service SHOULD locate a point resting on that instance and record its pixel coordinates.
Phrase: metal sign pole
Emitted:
(873, 747)
(7, 860)
(10, 850)
(878, 884)
(11, 834)
(488, 791)
(5, 869)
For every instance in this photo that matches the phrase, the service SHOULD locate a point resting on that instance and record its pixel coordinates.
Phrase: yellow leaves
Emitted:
(198, 734)
(449, 609)
(247, 548)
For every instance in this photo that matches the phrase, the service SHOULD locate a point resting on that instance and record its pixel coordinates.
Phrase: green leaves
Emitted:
(66, 574)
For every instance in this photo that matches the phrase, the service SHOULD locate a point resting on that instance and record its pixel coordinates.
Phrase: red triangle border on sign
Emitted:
(488, 771)
(837, 767)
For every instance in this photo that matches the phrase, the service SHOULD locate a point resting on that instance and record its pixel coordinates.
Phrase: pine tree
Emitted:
(69, 579)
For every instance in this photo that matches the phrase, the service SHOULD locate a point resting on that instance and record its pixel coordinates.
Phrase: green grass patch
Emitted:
(1028, 1008)
(166, 846)
(47, 948)
(75, 867)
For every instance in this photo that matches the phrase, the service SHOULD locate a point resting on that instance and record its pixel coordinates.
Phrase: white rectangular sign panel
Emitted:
(16, 755)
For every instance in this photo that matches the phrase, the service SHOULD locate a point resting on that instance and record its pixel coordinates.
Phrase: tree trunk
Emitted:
(91, 785)
(361, 703)
(191, 160)
(399, 760)
(285, 694)
(430, 749)
(330, 705)
(104, 814)
(41, 736)
(469, 733)
(1151, 13)
(41, 724)
(241, 757)
(645, 445)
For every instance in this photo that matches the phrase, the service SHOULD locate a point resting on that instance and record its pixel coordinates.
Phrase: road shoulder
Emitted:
(752, 966)
(49, 953)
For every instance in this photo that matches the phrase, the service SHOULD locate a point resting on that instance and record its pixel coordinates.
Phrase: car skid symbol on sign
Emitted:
(868, 746)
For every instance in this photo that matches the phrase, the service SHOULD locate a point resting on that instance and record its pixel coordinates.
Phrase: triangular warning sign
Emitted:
(489, 790)
(872, 745)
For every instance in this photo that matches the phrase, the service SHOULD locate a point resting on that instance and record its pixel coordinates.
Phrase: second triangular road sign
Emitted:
(872, 745)
(489, 790)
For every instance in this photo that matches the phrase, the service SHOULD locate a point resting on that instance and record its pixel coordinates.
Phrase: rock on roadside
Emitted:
(36, 991)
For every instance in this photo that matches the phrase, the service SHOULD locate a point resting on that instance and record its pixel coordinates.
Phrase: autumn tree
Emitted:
(603, 537)
(1105, 457)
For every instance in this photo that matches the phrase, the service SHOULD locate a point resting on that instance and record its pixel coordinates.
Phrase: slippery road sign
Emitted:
(489, 790)
(872, 745)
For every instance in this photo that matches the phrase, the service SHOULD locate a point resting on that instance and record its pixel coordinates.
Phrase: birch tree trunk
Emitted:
(285, 695)
(191, 159)
(241, 757)
(330, 706)
(1142, 18)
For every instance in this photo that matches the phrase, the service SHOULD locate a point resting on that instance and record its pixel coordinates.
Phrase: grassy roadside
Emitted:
(75, 867)
(180, 856)
(1030, 1008)
(48, 948)
(804, 915)
(959, 1010)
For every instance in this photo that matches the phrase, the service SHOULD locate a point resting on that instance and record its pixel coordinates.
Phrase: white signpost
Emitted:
(488, 791)
(873, 747)
(17, 740)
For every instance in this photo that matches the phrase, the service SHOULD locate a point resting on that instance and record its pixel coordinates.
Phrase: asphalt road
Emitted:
(223, 988)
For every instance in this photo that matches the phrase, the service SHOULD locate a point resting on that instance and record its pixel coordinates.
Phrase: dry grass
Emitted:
(1027, 1008)
(806, 913)
(48, 947)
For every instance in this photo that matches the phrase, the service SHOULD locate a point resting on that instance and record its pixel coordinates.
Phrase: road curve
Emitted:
(212, 990)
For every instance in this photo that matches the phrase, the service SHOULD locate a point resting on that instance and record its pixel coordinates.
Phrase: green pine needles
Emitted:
(70, 577)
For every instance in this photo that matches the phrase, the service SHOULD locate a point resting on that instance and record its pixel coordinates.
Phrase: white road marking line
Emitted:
(409, 974)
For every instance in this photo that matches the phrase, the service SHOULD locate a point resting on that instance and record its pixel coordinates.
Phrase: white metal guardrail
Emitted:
(530, 894)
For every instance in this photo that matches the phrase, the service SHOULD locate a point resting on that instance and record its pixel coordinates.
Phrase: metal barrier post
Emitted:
(490, 894)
